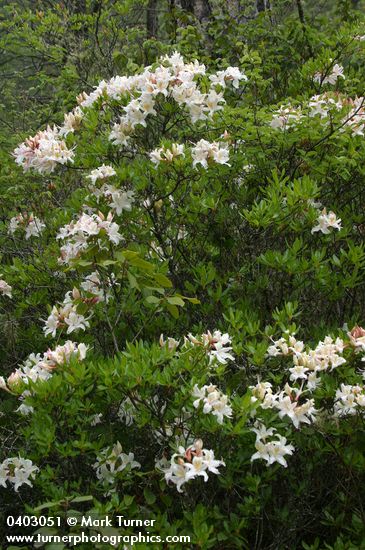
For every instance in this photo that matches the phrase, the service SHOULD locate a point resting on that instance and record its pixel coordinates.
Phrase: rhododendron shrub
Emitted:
(183, 316)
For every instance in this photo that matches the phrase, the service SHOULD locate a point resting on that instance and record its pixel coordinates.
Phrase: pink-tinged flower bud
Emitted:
(14, 379)
(76, 293)
(198, 445)
(357, 332)
(81, 97)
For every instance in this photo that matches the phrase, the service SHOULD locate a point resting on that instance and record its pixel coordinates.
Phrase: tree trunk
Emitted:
(188, 5)
(203, 9)
(152, 18)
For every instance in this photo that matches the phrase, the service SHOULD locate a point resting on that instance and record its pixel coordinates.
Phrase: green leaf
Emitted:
(176, 301)
(149, 496)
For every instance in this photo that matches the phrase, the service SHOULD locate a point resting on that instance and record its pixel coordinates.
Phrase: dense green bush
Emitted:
(196, 229)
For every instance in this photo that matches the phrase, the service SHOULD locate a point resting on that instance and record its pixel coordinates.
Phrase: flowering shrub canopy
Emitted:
(182, 284)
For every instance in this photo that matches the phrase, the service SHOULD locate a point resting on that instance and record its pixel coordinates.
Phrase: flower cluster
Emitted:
(18, 471)
(32, 225)
(43, 152)
(324, 104)
(327, 355)
(66, 316)
(40, 367)
(79, 232)
(101, 173)
(171, 343)
(355, 119)
(93, 285)
(357, 339)
(307, 367)
(349, 399)
(273, 450)
(288, 402)
(117, 199)
(173, 78)
(326, 222)
(72, 122)
(111, 461)
(285, 118)
(164, 154)
(330, 78)
(216, 345)
(5, 288)
(190, 463)
(204, 151)
(215, 402)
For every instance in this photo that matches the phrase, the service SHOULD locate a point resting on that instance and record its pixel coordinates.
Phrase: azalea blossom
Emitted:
(5, 289)
(65, 316)
(77, 234)
(349, 399)
(32, 225)
(190, 463)
(171, 343)
(216, 345)
(273, 451)
(327, 222)
(204, 151)
(43, 152)
(72, 121)
(332, 77)
(214, 402)
(110, 461)
(166, 154)
(286, 117)
(17, 471)
(102, 173)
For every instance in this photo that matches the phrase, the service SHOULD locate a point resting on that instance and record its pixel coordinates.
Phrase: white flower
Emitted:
(262, 432)
(298, 372)
(297, 413)
(18, 471)
(271, 451)
(220, 353)
(177, 474)
(43, 152)
(215, 402)
(32, 225)
(232, 74)
(285, 118)
(205, 151)
(171, 343)
(166, 155)
(190, 463)
(327, 221)
(86, 227)
(119, 200)
(72, 122)
(34, 228)
(348, 399)
(211, 463)
(5, 289)
(331, 78)
(111, 461)
(102, 173)
(196, 468)
(75, 321)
